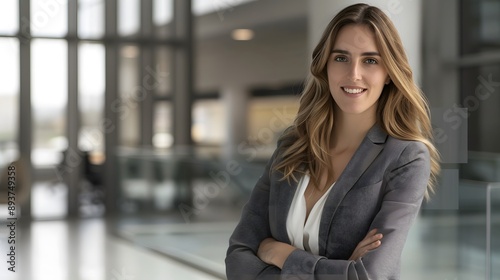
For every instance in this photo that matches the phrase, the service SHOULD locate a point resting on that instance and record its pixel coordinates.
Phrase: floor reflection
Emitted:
(85, 250)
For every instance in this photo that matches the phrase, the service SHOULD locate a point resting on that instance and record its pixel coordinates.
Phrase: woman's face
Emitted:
(356, 72)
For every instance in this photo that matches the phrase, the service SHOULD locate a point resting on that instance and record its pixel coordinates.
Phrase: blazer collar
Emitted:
(376, 134)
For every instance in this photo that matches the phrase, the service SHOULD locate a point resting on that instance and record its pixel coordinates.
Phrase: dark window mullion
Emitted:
(146, 82)
(72, 112)
(110, 124)
(25, 111)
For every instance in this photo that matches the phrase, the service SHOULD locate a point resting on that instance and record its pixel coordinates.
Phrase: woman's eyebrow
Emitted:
(363, 54)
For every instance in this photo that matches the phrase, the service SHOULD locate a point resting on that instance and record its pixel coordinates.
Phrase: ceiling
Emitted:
(265, 17)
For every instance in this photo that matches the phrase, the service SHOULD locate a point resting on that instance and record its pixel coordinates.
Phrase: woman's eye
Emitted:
(371, 61)
(340, 59)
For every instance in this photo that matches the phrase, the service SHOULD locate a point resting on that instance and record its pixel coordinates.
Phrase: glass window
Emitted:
(480, 95)
(201, 7)
(480, 35)
(128, 17)
(209, 122)
(49, 18)
(162, 17)
(9, 99)
(480, 26)
(9, 17)
(91, 18)
(490, 22)
(161, 73)
(91, 98)
(268, 117)
(49, 99)
(162, 126)
(127, 105)
(162, 12)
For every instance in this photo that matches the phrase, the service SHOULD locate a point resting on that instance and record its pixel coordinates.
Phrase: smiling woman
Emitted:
(340, 193)
(356, 72)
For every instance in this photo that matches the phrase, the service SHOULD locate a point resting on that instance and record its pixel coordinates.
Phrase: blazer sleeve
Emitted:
(241, 260)
(404, 192)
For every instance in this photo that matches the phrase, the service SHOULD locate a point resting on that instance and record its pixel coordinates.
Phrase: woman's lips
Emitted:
(353, 90)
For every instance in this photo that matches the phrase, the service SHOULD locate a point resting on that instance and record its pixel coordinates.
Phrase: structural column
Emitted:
(25, 120)
(183, 74)
(235, 101)
(146, 67)
(73, 113)
(110, 124)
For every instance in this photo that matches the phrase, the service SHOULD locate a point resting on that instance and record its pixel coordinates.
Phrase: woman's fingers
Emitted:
(371, 241)
(370, 238)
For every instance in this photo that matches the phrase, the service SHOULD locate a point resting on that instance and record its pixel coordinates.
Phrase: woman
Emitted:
(348, 177)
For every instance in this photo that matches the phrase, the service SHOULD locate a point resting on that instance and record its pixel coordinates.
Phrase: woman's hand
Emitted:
(274, 252)
(370, 242)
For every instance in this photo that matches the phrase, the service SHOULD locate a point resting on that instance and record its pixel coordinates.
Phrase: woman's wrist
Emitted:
(274, 252)
(282, 253)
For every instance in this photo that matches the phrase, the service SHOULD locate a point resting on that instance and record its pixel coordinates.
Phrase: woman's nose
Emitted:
(355, 71)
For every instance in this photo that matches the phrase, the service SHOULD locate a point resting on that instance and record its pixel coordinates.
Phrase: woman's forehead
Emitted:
(355, 38)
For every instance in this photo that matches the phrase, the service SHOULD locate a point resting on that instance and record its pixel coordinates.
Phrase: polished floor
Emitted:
(446, 246)
(439, 247)
(85, 250)
(442, 245)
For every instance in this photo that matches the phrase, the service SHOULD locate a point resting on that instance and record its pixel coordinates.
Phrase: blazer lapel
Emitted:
(286, 191)
(366, 153)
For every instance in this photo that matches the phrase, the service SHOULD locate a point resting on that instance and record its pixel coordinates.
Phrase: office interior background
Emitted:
(138, 128)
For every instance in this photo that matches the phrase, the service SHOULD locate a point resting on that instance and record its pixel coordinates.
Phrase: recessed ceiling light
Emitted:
(242, 34)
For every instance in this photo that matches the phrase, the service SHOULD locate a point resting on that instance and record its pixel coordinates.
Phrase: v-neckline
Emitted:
(315, 206)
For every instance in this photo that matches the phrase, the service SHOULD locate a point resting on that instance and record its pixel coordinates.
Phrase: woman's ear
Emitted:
(388, 80)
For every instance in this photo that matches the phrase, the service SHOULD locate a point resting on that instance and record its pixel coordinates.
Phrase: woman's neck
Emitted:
(349, 130)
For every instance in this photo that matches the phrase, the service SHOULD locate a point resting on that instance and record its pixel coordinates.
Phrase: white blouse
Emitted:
(304, 234)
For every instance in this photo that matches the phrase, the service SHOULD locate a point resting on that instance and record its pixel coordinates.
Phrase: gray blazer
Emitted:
(381, 187)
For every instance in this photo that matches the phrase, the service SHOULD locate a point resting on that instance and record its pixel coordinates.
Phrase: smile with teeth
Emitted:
(353, 90)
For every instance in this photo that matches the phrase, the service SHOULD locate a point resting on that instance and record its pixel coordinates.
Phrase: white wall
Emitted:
(267, 60)
(276, 55)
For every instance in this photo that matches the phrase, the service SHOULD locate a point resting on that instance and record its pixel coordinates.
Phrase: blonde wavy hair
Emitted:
(402, 109)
